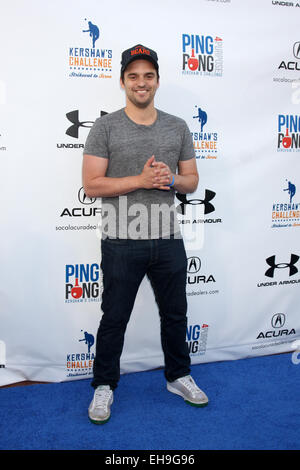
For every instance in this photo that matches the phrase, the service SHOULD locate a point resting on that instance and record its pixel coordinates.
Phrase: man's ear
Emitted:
(121, 83)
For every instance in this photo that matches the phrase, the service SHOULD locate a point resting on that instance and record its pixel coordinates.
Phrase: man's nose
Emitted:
(141, 82)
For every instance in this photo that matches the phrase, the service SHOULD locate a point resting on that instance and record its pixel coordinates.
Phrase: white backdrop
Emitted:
(240, 96)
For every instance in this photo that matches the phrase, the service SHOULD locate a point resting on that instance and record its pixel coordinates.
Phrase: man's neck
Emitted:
(145, 116)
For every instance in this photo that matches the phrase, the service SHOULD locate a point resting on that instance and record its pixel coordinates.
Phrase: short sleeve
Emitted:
(97, 140)
(187, 147)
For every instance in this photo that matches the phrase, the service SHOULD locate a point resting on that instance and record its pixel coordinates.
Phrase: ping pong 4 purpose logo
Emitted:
(82, 283)
(202, 55)
(288, 133)
(196, 339)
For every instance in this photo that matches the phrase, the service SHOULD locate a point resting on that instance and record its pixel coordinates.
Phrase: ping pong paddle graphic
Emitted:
(76, 291)
(287, 140)
(193, 62)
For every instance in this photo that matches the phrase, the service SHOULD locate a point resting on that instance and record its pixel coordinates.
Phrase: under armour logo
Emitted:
(73, 116)
(208, 207)
(291, 265)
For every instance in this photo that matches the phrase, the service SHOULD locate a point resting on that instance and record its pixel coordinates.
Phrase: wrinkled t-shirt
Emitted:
(144, 213)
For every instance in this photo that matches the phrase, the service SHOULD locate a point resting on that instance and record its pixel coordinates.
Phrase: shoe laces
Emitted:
(102, 397)
(190, 384)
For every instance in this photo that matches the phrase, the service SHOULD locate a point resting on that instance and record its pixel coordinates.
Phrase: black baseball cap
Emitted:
(138, 52)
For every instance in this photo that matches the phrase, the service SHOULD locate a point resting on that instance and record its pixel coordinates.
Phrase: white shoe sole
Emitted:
(96, 421)
(100, 421)
(181, 394)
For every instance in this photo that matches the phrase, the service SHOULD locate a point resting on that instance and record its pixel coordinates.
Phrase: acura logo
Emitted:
(296, 50)
(278, 320)
(208, 207)
(193, 265)
(83, 198)
(291, 265)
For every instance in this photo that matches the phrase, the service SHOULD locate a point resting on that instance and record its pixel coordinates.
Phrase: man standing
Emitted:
(135, 159)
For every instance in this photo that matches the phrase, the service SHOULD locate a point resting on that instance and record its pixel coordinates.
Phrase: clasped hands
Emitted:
(156, 175)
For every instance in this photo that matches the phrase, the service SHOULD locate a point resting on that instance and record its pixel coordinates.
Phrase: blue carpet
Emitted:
(254, 405)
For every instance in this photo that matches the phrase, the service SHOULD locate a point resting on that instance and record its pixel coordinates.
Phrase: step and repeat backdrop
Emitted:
(231, 70)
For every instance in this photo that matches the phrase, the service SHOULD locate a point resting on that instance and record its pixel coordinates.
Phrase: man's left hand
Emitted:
(164, 175)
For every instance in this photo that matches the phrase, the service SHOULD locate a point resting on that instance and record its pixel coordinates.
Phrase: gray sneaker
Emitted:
(186, 388)
(99, 409)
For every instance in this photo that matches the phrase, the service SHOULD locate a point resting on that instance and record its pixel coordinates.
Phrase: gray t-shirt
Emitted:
(144, 213)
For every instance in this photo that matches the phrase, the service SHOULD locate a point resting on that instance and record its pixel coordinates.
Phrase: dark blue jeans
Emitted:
(124, 265)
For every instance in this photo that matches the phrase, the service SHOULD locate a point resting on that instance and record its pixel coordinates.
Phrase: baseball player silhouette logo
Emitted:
(88, 339)
(94, 32)
(291, 190)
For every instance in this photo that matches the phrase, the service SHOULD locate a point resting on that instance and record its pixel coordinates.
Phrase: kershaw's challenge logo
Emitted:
(205, 142)
(90, 62)
(286, 214)
(81, 363)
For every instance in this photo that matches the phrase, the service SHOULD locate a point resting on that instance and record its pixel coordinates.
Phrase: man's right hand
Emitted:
(150, 175)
